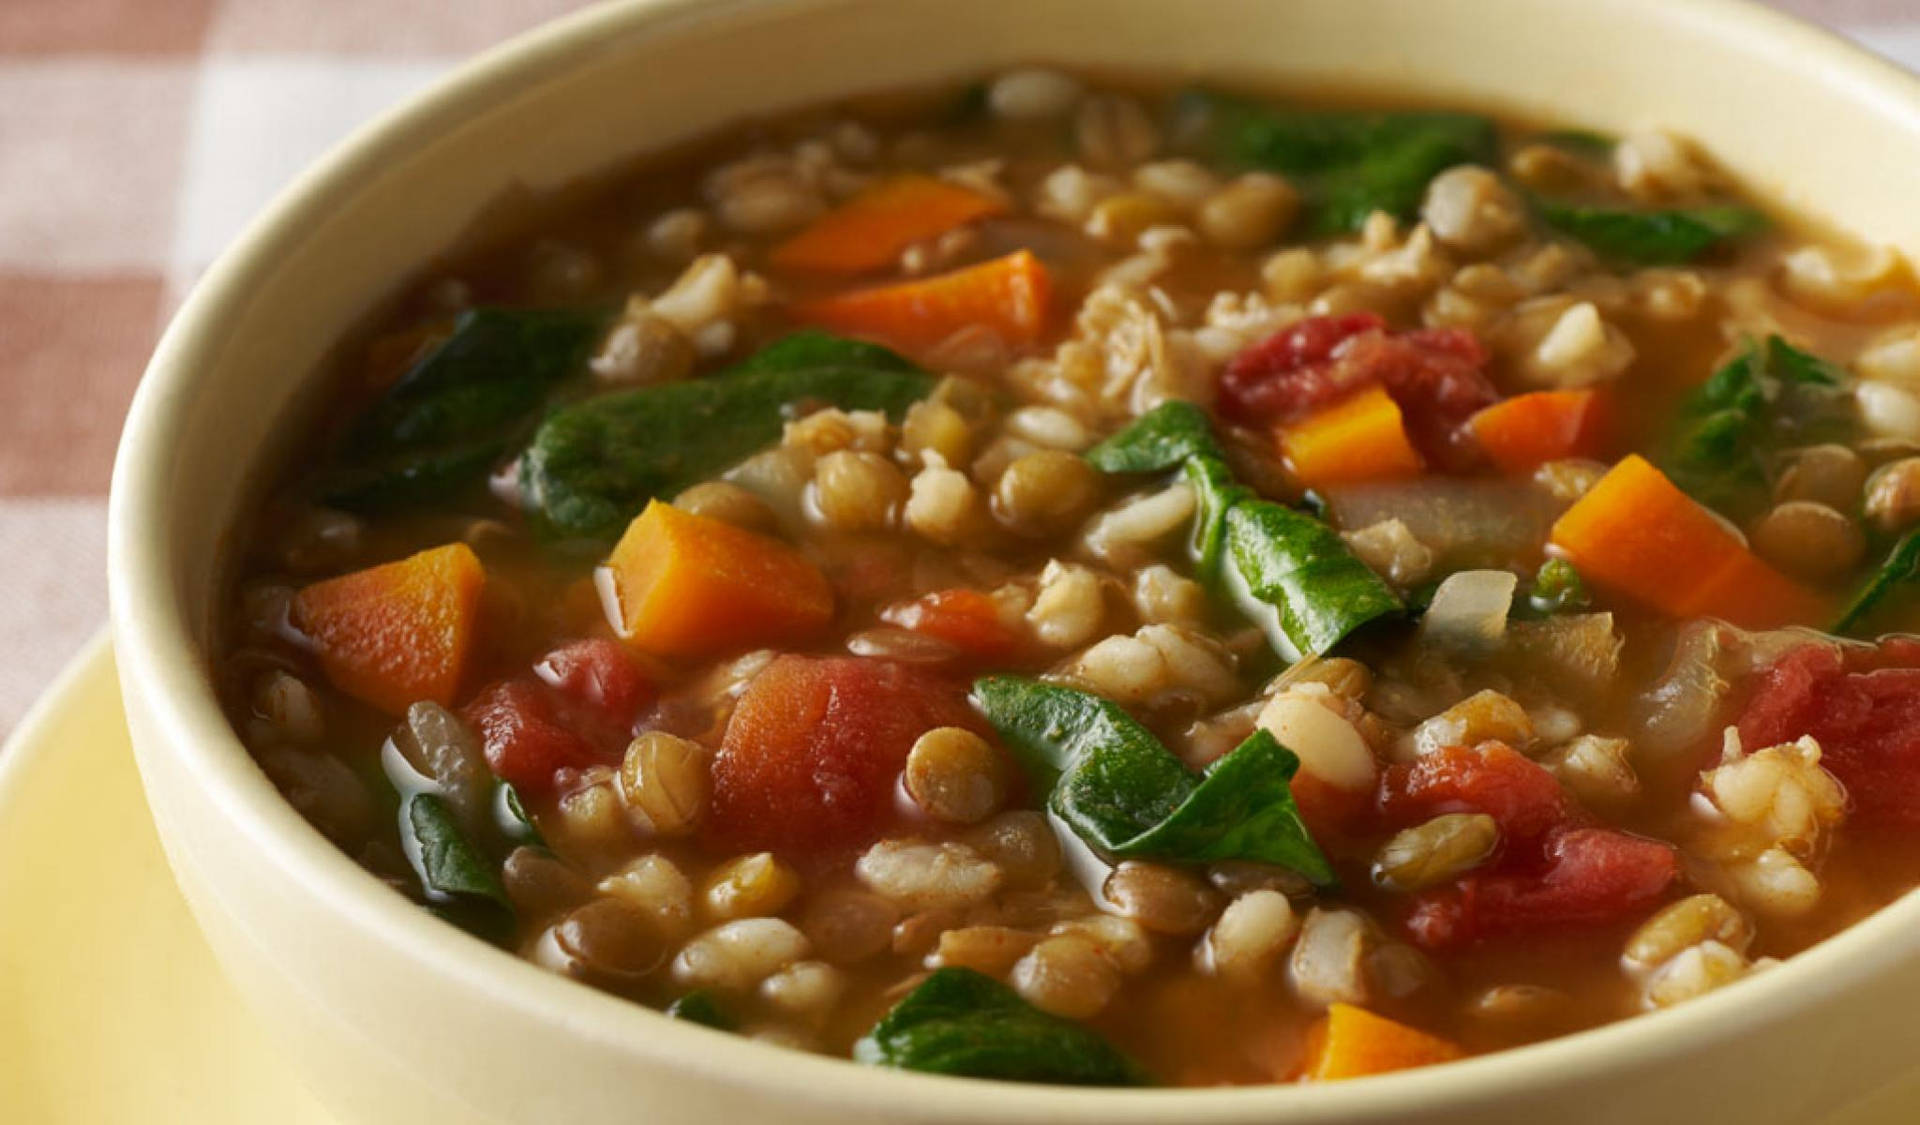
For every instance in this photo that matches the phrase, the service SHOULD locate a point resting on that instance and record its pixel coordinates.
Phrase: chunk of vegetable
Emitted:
(1863, 707)
(1520, 795)
(525, 741)
(1521, 433)
(1009, 295)
(966, 619)
(814, 748)
(1350, 1042)
(690, 585)
(1651, 238)
(965, 1023)
(1636, 534)
(1289, 571)
(1593, 877)
(1770, 397)
(591, 467)
(1350, 164)
(452, 415)
(457, 877)
(397, 633)
(1128, 797)
(871, 230)
(1901, 567)
(1360, 438)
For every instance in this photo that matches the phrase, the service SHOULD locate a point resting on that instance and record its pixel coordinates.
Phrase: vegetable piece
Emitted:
(1902, 567)
(454, 413)
(449, 865)
(813, 750)
(1557, 588)
(1522, 797)
(1350, 164)
(965, 1023)
(599, 681)
(1863, 706)
(399, 632)
(701, 1007)
(966, 619)
(516, 823)
(1635, 534)
(1593, 877)
(1350, 1042)
(1521, 433)
(1435, 375)
(1010, 295)
(1360, 438)
(1128, 797)
(525, 742)
(1289, 571)
(1768, 398)
(689, 585)
(591, 467)
(871, 230)
(1651, 238)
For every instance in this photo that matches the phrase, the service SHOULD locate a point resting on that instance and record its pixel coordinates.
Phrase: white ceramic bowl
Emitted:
(400, 1018)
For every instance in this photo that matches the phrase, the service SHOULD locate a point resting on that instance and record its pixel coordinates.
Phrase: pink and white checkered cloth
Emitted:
(137, 137)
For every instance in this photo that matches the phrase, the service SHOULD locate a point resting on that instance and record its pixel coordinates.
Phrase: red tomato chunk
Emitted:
(1593, 877)
(1517, 792)
(525, 742)
(599, 681)
(1863, 708)
(814, 748)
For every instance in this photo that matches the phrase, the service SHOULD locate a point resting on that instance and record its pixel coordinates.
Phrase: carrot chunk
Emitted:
(689, 585)
(397, 633)
(1637, 534)
(1350, 1042)
(1521, 433)
(1360, 438)
(1009, 295)
(871, 230)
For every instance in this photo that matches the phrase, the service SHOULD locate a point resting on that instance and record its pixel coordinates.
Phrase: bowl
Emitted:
(397, 1017)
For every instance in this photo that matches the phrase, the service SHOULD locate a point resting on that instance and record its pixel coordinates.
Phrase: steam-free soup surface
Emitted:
(1070, 583)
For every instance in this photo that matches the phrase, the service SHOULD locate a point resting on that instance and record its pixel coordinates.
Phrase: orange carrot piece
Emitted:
(1637, 534)
(689, 585)
(395, 634)
(1350, 1042)
(871, 230)
(1360, 438)
(1009, 295)
(1521, 433)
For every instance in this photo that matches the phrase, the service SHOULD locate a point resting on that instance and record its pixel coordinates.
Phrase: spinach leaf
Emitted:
(1769, 397)
(453, 414)
(1288, 570)
(516, 824)
(1651, 238)
(965, 1023)
(1902, 567)
(1111, 781)
(699, 1006)
(1319, 590)
(593, 466)
(1349, 164)
(451, 867)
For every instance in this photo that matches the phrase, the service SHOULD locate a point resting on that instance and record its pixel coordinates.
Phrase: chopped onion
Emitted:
(1469, 610)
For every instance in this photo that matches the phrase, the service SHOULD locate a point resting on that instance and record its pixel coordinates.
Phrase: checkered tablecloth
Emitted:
(137, 137)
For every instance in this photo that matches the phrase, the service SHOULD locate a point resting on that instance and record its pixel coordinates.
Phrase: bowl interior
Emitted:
(1805, 121)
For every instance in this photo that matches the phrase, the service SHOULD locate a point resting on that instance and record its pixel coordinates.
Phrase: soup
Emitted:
(1097, 584)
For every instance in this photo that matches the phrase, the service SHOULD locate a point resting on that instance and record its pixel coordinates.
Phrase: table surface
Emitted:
(139, 136)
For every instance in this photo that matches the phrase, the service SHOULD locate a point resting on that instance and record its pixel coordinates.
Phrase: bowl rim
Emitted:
(161, 665)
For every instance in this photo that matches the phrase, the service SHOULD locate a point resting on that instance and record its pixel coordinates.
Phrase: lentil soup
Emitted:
(1090, 583)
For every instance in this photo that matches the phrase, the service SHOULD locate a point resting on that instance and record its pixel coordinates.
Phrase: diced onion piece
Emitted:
(1469, 610)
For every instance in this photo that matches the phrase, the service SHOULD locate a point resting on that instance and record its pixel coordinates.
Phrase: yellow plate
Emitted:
(111, 1008)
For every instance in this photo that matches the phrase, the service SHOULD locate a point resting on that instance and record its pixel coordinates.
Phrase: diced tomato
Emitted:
(1518, 793)
(1593, 877)
(1863, 708)
(525, 742)
(966, 619)
(814, 748)
(1435, 375)
(599, 680)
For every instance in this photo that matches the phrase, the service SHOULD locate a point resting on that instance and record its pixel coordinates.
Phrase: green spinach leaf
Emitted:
(1349, 164)
(593, 466)
(1163, 438)
(456, 412)
(451, 867)
(1651, 238)
(1901, 568)
(1110, 780)
(700, 1006)
(1769, 397)
(964, 1023)
(516, 824)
